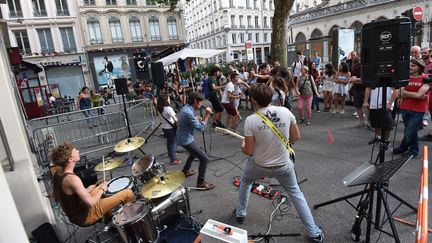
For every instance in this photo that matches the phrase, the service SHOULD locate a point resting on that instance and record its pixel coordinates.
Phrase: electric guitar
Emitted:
(220, 130)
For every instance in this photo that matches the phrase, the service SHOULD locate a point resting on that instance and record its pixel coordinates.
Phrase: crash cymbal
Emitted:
(162, 184)
(109, 164)
(129, 144)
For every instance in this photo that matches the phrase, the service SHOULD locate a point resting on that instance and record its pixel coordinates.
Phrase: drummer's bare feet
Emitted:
(176, 162)
(188, 173)
(205, 185)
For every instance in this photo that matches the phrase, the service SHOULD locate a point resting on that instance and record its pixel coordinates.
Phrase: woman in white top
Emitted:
(328, 84)
(169, 126)
(279, 91)
(340, 90)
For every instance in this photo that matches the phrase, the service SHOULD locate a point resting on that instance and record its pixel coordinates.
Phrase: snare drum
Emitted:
(146, 168)
(135, 223)
(118, 184)
(171, 207)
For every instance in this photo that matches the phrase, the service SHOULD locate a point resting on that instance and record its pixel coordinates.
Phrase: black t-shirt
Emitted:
(356, 71)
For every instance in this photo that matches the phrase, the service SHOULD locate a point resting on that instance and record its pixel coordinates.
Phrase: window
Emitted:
(231, 3)
(14, 9)
(89, 2)
(257, 37)
(135, 29)
(241, 21)
(45, 40)
(172, 28)
(234, 38)
(22, 41)
(115, 29)
(233, 21)
(39, 8)
(131, 2)
(265, 22)
(111, 2)
(264, 5)
(151, 2)
(271, 22)
(214, 6)
(255, 4)
(242, 35)
(154, 29)
(94, 31)
(250, 36)
(224, 40)
(271, 5)
(249, 21)
(256, 22)
(265, 37)
(68, 39)
(248, 6)
(62, 8)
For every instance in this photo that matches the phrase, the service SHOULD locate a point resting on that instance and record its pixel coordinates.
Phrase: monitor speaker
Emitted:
(45, 233)
(158, 74)
(385, 53)
(121, 86)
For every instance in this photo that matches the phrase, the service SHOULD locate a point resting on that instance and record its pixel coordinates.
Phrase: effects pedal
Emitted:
(260, 189)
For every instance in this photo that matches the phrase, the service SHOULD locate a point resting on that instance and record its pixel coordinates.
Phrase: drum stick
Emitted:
(103, 166)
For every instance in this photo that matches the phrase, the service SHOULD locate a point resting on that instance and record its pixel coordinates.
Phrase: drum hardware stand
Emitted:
(127, 121)
(195, 226)
(376, 176)
(269, 237)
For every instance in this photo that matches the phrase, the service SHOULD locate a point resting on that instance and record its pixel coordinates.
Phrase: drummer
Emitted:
(83, 206)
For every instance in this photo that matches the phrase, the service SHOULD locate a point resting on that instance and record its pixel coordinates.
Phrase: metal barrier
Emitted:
(111, 128)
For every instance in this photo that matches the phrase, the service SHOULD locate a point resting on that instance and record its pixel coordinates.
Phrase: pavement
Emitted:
(328, 150)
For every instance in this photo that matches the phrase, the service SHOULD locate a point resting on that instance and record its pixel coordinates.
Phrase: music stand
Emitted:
(376, 176)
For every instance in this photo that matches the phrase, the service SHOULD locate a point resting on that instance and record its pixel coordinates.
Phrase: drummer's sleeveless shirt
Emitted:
(72, 205)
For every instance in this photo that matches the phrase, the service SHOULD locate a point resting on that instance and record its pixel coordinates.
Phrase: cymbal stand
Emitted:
(194, 225)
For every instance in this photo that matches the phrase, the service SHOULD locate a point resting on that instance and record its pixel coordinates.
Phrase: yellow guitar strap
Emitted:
(278, 134)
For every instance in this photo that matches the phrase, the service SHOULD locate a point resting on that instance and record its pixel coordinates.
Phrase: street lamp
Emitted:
(227, 28)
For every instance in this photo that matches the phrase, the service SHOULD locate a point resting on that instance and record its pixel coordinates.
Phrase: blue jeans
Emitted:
(286, 176)
(195, 152)
(90, 119)
(315, 102)
(412, 121)
(170, 135)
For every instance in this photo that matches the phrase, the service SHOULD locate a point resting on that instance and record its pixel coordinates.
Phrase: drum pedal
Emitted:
(260, 189)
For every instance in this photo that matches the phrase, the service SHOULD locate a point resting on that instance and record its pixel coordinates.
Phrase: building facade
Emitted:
(127, 33)
(310, 30)
(45, 32)
(228, 24)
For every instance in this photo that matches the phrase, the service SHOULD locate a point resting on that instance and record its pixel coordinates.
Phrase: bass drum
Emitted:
(168, 209)
(135, 223)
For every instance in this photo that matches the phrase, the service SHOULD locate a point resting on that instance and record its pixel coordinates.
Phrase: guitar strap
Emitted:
(278, 134)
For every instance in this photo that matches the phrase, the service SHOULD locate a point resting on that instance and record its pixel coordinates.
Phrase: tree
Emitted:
(279, 31)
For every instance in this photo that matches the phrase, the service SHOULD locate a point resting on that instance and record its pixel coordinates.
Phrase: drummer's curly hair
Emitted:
(61, 154)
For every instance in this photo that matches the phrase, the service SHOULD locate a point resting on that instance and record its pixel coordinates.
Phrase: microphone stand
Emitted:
(203, 136)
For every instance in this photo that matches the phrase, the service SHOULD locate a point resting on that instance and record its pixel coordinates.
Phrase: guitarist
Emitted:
(269, 157)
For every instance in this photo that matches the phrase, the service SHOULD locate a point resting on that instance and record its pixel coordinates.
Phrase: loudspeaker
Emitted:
(385, 53)
(45, 233)
(87, 176)
(121, 86)
(158, 74)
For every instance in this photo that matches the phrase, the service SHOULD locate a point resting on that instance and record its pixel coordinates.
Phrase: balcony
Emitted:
(89, 2)
(250, 26)
(266, 26)
(63, 12)
(69, 49)
(156, 38)
(137, 39)
(173, 37)
(41, 13)
(16, 14)
(233, 26)
(242, 26)
(117, 40)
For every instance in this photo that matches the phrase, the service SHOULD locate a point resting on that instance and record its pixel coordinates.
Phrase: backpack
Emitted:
(205, 87)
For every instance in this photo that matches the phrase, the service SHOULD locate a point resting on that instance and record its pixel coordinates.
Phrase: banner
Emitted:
(249, 51)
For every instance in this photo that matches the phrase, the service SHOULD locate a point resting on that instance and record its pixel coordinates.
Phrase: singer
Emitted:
(187, 122)
(270, 156)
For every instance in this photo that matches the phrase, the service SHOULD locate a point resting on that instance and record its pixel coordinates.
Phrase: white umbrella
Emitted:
(187, 52)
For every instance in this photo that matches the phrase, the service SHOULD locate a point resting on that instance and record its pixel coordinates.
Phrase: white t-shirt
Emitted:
(296, 68)
(375, 97)
(228, 88)
(244, 76)
(268, 149)
(278, 98)
(168, 113)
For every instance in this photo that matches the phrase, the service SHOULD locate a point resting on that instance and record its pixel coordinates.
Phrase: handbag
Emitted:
(279, 135)
(174, 126)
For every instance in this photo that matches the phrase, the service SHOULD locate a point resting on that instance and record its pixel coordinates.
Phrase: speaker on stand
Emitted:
(158, 75)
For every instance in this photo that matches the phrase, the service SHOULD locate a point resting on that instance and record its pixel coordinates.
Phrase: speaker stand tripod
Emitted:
(376, 176)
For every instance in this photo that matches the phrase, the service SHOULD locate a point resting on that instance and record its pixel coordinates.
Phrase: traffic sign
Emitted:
(418, 13)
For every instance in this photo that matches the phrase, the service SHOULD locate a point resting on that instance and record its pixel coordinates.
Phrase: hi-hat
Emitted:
(109, 165)
(162, 184)
(129, 144)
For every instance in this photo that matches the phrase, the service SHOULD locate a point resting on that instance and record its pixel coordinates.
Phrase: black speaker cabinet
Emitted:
(45, 233)
(87, 176)
(158, 74)
(121, 86)
(385, 53)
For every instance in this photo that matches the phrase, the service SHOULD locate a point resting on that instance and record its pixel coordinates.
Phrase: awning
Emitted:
(32, 66)
(187, 52)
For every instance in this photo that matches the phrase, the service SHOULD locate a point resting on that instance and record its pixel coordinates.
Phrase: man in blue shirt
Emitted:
(187, 122)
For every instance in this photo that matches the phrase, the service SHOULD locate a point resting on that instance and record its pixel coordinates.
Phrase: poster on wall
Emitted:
(55, 91)
(346, 44)
(110, 67)
(38, 96)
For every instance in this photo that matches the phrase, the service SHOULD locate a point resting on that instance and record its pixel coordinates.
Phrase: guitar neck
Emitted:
(231, 133)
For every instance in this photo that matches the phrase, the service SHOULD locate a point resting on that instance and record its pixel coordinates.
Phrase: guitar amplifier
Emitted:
(211, 234)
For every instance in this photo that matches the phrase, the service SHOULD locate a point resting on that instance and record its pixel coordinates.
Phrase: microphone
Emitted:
(203, 107)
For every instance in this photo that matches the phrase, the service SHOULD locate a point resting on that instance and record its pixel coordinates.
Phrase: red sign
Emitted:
(418, 13)
(248, 44)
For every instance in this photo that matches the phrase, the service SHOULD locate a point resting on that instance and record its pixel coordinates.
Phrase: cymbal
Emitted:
(162, 184)
(109, 164)
(129, 144)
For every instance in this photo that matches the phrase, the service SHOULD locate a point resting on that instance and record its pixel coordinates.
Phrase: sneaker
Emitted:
(317, 239)
(308, 122)
(342, 112)
(360, 124)
(333, 111)
(176, 162)
(425, 123)
(399, 151)
(387, 144)
(355, 114)
(374, 141)
(337, 110)
(240, 219)
(301, 121)
(318, 110)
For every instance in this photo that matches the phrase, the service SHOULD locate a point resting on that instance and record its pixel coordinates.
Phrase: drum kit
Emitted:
(161, 200)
